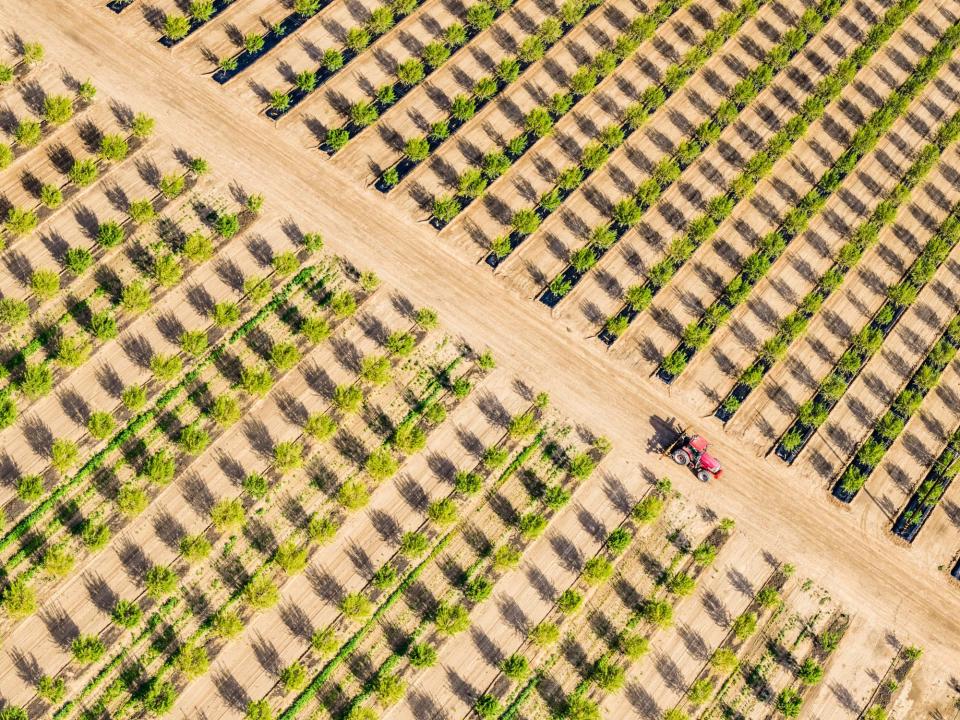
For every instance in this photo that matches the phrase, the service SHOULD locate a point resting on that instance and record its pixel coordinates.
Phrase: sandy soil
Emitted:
(889, 588)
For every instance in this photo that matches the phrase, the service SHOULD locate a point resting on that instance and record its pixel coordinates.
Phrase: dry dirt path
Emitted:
(779, 507)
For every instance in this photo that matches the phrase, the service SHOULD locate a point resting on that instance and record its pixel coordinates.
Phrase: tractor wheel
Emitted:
(703, 476)
(680, 457)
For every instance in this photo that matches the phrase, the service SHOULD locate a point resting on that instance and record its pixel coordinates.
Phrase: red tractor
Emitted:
(691, 451)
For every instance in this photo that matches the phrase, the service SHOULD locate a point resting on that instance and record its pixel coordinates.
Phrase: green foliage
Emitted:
(343, 304)
(57, 561)
(487, 706)
(579, 707)
(320, 426)
(658, 613)
(285, 264)
(545, 634)
(134, 397)
(29, 487)
(569, 601)
(19, 599)
(322, 528)
(422, 655)
(256, 380)
(634, 645)
(51, 197)
(356, 606)
(291, 558)
(597, 570)
(294, 677)
(443, 512)
(45, 283)
(413, 544)
(101, 424)
(167, 270)
(132, 499)
(259, 710)
(166, 367)
(478, 589)
(385, 577)
(681, 584)
(192, 660)
(53, 690)
(77, 260)
(27, 133)
(324, 642)
(95, 535)
(13, 312)
(63, 454)
(160, 581)
(724, 660)
(608, 675)
(37, 380)
(788, 703)
(141, 211)
(255, 485)
(261, 593)
(73, 351)
(172, 185)
(113, 148)
(226, 625)
(810, 672)
(83, 172)
(745, 625)
(505, 557)
(227, 225)
(353, 495)
(451, 619)
(381, 464)
(160, 698)
(228, 515)
(87, 649)
(389, 689)
(194, 548)
(198, 247)
(175, 27)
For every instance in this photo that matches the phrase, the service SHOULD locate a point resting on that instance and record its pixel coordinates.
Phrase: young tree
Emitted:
(45, 283)
(133, 397)
(77, 260)
(324, 642)
(131, 499)
(194, 548)
(228, 515)
(37, 380)
(160, 581)
(53, 690)
(175, 27)
(320, 426)
(19, 599)
(451, 619)
(294, 677)
(192, 660)
(84, 172)
(356, 606)
(261, 593)
(58, 561)
(422, 655)
(113, 148)
(126, 614)
(87, 649)
(225, 410)
(226, 625)
(142, 126)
